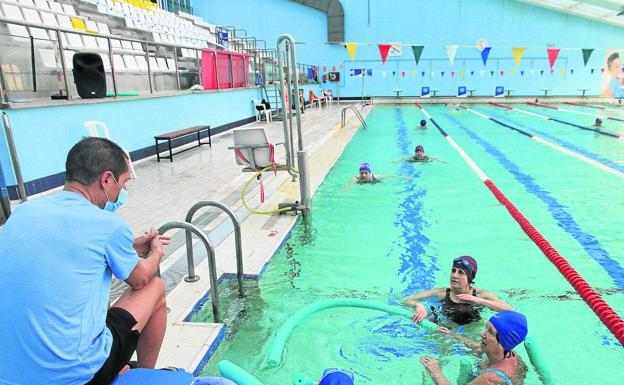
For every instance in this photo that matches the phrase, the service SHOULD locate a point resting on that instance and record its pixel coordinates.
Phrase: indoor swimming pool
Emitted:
(385, 241)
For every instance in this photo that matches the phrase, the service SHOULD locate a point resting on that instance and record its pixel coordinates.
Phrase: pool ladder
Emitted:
(191, 229)
(343, 115)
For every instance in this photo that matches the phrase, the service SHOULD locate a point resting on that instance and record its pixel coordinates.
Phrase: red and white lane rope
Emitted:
(605, 313)
(574, 111)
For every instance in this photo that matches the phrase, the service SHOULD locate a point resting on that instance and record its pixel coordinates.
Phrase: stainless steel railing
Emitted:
(343, 115)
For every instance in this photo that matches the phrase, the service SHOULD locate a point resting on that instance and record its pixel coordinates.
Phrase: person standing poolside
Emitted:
(503, 332)
(57, 257)
(461, 302)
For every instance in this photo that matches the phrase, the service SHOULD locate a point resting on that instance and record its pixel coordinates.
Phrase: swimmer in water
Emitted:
(597, 123)
(420, 156)
(423, 124)
(503, 332)
(461, 302)
(366, 175)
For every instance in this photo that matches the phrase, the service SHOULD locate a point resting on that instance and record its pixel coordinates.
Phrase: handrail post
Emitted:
(149, 68)
(237, 236)
(190, 228)
(13, 153)
(63, 66)
(112, 63)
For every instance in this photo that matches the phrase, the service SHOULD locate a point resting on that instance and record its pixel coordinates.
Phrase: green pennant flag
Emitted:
(417, 49)
(587, 52)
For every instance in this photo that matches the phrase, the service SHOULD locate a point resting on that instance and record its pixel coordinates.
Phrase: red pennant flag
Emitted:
(552, 71)
(452, 74)
(403, 73)
(333, 68)
(383, 51)
(602, 70)
(502, 73)
(552, 56)
(324, 68)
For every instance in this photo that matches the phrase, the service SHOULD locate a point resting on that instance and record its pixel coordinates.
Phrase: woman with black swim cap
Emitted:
(461, 302)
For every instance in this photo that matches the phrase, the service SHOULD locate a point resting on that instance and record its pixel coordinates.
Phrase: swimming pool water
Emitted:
(385, 241)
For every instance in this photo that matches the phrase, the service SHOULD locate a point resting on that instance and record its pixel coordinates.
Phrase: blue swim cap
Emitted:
(511, 328)
(365, 167)
(423, 122)
(336, 377)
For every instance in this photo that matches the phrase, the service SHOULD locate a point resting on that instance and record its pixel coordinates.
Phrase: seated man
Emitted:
(423, 123)
(57, 257)
(503, 332)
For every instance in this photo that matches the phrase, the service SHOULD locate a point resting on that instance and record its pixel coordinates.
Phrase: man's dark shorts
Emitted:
(120, 322)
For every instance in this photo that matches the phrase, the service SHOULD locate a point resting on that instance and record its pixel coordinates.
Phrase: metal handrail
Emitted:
(343, 115)
(237, 237)
(14, 159)
(211, 260)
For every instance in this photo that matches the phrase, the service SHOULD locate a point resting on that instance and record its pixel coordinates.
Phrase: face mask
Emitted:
(121, 199)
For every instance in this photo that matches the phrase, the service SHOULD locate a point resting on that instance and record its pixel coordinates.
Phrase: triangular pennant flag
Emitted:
(542, 72)
(552, 71)
(562, 72)
(413, 73)
(491, 73)
(587, 52)
(417, 50)
(552, 56)
(383, 51)
(571, 72)
(592, 70)
(462, 73)
(351, 48)
(403, 73)
(471, 73)
(340, 67)
(602, 70)
(393, 73)
(324, 68)
(452, 74)
(423, 74)
(518, 52)
(485, 54)
(502, 73)
(512, 73)
(521, 73)
(333, 68)
(451, 51)
(442, 73)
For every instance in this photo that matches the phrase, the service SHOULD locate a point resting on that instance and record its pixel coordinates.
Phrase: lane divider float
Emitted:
(598, 305)
(573, 111)
(545, 117)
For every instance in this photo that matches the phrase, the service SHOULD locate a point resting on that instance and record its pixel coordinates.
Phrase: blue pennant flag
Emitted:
(484, 54)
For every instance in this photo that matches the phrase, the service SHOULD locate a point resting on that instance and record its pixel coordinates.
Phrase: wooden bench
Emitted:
(179, 134)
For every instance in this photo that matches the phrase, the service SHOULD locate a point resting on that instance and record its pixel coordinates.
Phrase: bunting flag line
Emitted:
(518, 52)
(351, 49)
(485, 54)
(417, 50)
(587, 52)
(552, 56)
(383, 51)
(451, 51)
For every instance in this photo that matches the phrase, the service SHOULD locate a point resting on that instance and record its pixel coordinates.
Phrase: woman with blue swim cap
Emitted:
(502, 334)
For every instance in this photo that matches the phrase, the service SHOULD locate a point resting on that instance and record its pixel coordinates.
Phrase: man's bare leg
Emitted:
(149, 309)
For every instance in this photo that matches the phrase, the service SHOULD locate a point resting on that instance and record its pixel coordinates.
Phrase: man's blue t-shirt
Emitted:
(57, 254)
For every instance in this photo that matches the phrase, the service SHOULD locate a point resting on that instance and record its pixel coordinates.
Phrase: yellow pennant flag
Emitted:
(351, 48)
(562, 72)
(413, 73)
(518, 52)
(462, 73)
(512, 73)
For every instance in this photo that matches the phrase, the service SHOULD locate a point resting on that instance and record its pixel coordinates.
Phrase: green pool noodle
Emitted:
(302, 379)
(538, 362)
(281, 335)
(123, 93)
(235, 373)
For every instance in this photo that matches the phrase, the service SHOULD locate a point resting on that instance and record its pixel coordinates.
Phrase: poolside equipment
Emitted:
(557, 120)
(274, 356)
(607, 315)
(167, 377)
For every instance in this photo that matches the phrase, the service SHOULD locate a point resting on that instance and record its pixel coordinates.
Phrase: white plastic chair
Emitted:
(260, 109)
(98, 129)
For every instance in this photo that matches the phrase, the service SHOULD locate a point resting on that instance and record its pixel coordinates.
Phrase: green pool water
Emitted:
(385, 241)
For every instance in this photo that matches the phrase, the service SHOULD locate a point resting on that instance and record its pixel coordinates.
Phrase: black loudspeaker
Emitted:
(89, 75)
(334, 76)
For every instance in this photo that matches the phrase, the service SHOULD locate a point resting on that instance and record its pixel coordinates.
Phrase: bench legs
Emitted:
(170, 152)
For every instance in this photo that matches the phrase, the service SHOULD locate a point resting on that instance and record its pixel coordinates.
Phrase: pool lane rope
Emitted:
(596, 107)
(549, 143)
(573, 111)
(545, 117)
(605, 313)
(274, 357)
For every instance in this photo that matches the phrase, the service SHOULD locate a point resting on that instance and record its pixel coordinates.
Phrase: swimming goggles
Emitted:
(463, 262)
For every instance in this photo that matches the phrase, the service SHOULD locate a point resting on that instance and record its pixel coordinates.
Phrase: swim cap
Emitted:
(468, 265)
(365, 167)
(419, 147)
(423, 122)
(336, 377)
(511, 328)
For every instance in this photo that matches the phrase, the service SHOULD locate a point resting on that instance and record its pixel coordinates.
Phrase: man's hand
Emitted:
(420, 313)
(431, 364)
(145, 243)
